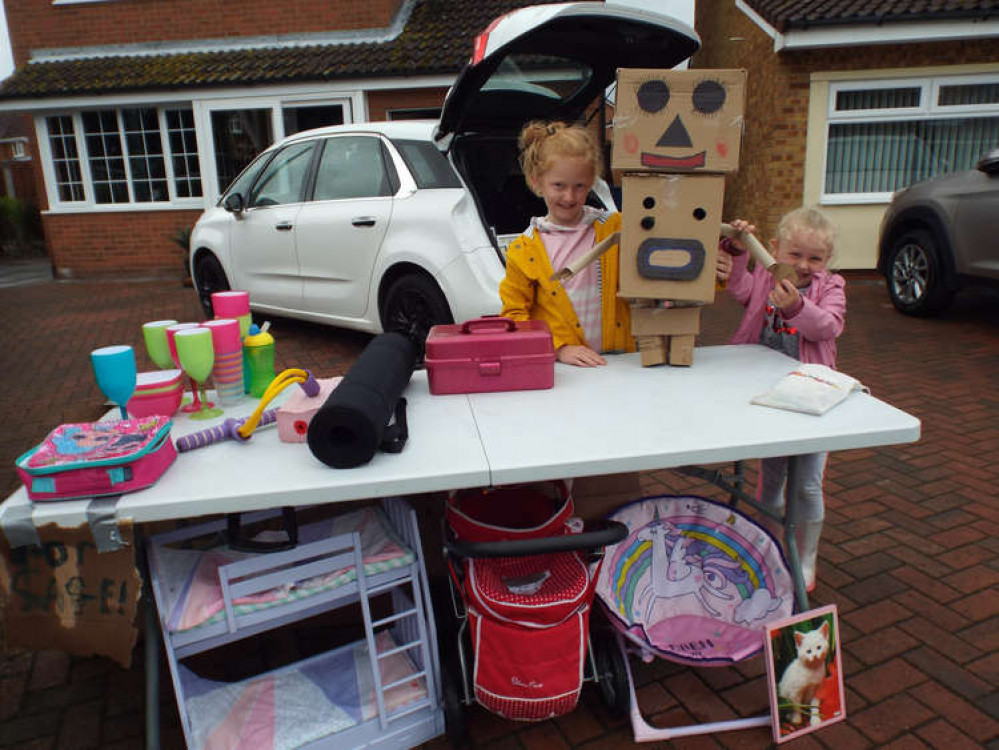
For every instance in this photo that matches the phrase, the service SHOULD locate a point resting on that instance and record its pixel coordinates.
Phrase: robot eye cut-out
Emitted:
(709, 96)
(653, 96)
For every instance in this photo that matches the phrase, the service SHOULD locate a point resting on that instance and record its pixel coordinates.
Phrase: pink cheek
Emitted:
(722, 148)
(630, 143)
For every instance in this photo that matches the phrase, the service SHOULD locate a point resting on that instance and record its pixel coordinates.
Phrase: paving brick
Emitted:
(976, 723)
(947, 673)
(884, 680)
(881, 645)
(886, 720)
(81, 727)
(50, 668)
(874, 589)
(543, 736)
(943, 734)
(979, 606)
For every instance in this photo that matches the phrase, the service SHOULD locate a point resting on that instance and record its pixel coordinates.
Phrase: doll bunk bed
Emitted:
(381, 691)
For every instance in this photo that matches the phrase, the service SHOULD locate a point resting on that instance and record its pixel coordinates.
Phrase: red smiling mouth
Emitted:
(668, 162)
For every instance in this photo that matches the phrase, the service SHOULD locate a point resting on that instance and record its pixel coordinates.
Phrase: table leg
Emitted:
(791, 539)
(151, 647)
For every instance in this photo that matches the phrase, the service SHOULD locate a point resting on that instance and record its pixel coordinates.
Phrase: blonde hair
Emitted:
(541, 142)
(809, 219)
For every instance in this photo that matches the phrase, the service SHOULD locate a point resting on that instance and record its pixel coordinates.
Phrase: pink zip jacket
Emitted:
(819, 319)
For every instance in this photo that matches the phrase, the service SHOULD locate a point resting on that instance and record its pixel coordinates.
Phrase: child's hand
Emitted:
(580, 356)
(723, 267)
(785, 295)
(741, 225)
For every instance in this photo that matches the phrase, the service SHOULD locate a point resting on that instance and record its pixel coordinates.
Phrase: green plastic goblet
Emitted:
(154, 334)
(196, 356)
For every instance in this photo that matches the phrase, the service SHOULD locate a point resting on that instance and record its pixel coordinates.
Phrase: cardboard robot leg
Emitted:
(653, 350)
(681, 351)
(665, 334)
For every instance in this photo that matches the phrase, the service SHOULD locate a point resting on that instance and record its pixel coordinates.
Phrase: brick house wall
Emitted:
(770, 180)
(40, 24)
(102, 244)
(379, 102)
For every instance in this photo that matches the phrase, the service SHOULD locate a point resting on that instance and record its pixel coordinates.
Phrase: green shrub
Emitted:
(20, 228)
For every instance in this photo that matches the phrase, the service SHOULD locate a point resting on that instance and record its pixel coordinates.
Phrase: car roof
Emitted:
(417, 130)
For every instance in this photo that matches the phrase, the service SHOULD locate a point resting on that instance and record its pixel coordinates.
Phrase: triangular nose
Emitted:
(676, 136)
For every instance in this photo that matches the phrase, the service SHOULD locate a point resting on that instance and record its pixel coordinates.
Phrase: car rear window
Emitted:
(428, 166)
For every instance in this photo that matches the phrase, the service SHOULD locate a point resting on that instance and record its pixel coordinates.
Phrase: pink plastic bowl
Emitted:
(146, 405)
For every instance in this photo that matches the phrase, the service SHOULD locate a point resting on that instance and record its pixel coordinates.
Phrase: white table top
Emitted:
(624, 417)
(606, 420)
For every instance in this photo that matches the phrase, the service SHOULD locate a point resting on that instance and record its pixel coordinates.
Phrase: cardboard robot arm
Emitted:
(578, 264)
(759, 253)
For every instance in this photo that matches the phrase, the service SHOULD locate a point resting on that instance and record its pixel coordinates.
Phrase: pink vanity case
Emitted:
(294, 415)
(490, 354)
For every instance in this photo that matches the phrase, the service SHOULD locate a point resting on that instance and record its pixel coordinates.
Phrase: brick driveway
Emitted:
(910, 554)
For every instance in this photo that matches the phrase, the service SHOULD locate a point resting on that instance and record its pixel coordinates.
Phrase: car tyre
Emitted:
(413, 305)
(209, 277)
(916, 280)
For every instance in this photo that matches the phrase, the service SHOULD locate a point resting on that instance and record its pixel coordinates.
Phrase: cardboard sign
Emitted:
(678, 120)
(669, 236)
(66, 596)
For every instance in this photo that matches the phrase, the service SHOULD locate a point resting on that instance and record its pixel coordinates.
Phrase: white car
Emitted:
(403, 225)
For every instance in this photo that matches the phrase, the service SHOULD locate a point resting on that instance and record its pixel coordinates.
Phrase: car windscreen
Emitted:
(427, 165)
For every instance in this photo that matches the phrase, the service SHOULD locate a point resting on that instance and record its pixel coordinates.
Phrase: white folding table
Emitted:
(604, 420)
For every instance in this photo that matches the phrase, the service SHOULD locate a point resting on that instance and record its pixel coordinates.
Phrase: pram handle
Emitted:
(608, 532)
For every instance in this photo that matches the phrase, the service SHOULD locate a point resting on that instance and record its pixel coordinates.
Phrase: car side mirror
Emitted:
(989, 164)
(233, 203)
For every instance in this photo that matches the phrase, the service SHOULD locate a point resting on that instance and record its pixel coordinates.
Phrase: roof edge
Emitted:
(230, 44)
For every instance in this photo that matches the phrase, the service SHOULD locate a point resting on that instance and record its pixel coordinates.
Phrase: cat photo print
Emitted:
(805, 673)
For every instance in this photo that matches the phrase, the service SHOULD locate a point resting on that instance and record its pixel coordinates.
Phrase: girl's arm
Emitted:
(740, 280)
(516, 291)
(822, 319)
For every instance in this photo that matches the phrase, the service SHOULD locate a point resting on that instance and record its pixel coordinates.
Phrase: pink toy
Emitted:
(490, 354)
(157, 392)
(294, 415)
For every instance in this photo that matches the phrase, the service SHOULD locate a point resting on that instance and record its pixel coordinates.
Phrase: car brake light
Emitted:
(482, 40)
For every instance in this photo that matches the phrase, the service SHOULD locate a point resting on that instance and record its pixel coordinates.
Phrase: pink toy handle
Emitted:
(228, 429)
(487, 323)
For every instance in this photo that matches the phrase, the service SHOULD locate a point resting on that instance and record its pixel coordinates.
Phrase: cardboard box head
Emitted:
(669, 236)
(678, 120)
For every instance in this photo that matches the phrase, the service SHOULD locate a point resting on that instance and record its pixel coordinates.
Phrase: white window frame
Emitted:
(90, 204)
(928, 109)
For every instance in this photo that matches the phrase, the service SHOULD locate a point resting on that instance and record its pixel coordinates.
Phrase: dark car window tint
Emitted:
(351, 167)
(429, 167)
(281, 181)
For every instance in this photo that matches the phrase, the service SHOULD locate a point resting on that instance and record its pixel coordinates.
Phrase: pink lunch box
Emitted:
(490, 354)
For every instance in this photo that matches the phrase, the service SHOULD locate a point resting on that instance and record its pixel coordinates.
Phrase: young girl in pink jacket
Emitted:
(802, 320)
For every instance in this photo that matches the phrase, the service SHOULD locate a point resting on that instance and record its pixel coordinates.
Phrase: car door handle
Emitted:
(283, 226)
(363, 221)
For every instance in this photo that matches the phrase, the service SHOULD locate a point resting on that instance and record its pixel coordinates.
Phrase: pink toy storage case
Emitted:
(490, 354)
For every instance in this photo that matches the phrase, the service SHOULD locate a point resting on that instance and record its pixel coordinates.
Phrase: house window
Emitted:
(65, 159)
(138, 155)
(886, 135)
(184, 152)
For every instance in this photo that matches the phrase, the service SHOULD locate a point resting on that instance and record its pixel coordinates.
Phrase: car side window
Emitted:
(352, 167)
(282, 180)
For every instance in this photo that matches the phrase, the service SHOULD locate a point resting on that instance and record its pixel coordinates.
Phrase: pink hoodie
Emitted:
(819, 318)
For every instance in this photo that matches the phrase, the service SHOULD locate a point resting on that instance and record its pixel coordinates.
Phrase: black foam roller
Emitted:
(347, 430)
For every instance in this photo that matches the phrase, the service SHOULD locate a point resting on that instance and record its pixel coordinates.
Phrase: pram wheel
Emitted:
(612, 673)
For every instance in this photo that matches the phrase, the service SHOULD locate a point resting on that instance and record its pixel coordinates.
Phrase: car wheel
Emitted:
(916, 280)
(413, 305)
(209, 277)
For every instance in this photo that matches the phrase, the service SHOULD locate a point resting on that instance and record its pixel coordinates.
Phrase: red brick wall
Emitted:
(379, 102)
(125, 243)
(38, 23)
(770, 181)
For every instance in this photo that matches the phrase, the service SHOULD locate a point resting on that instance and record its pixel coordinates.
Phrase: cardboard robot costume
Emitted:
(676, 134)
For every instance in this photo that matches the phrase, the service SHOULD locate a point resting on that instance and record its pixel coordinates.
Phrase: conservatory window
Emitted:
(886, 135)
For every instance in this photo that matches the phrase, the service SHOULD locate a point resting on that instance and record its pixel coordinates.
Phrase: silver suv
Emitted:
(940, 235)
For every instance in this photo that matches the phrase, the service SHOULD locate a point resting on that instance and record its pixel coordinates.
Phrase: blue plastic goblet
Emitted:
(114, 367)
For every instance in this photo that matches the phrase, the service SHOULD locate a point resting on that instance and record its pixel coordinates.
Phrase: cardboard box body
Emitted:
(669, 236)
(678, 120)
(490, 354)
(664, 321)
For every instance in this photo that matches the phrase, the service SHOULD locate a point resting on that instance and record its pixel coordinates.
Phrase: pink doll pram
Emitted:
(694, 582)
(522, 586)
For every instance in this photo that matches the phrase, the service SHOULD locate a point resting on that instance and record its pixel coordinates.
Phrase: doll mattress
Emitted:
(298, 704)
(194, 591)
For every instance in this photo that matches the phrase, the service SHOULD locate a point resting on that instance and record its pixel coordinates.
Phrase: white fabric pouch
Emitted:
(812, 389)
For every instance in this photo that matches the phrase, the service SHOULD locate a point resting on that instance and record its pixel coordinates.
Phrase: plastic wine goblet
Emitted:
(114, 368)
(155, 336)
(197, 357)
(172, 331)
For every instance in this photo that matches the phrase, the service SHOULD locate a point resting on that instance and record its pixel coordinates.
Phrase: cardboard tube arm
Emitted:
(588, 257)
(753, 245)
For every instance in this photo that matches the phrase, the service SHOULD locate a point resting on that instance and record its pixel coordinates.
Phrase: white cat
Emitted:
(804, 675)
